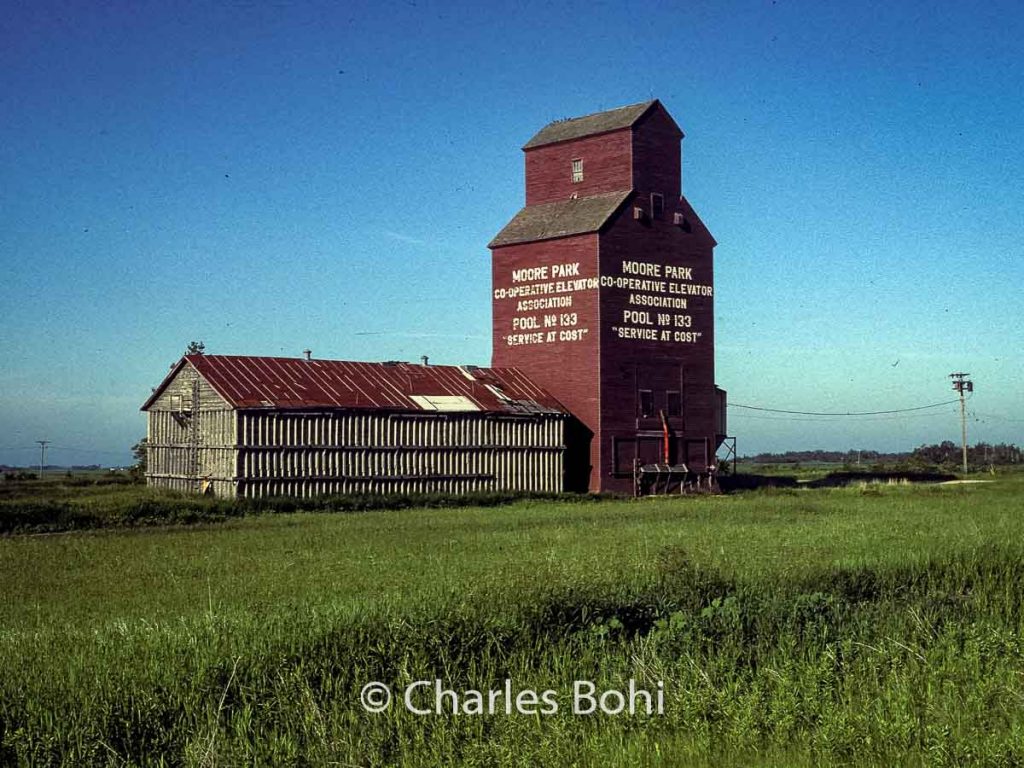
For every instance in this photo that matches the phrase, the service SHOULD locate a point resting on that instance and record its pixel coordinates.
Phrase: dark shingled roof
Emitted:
(560, 219)
(295, 383)
(588, 125)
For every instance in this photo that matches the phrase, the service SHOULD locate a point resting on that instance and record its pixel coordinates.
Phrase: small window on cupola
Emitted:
(577, 171)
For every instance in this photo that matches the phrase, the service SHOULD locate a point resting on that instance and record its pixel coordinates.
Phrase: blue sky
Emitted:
(270, 177)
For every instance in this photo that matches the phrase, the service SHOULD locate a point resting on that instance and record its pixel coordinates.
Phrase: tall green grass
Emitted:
(68, 504)
(861, 626)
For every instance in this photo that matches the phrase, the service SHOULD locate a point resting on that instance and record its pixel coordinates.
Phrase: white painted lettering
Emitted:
(528, 274)
(642, 268)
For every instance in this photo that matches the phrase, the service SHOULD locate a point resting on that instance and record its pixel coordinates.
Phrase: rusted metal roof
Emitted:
(297, 383)
(589, 125)
(560, 218)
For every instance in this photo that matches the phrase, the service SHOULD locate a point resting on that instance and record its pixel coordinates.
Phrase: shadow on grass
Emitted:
(751, 482)
(745, 482)
(837, 479)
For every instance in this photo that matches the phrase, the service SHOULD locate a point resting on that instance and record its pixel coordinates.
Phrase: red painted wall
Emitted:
(657, 333)
(607, 167)
(657, 156)
(648, 316)
(557, 346)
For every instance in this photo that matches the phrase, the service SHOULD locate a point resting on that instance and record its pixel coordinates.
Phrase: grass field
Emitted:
(869, 625)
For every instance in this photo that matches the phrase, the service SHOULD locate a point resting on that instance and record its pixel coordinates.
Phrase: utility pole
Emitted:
(42, 455)
(962, 384)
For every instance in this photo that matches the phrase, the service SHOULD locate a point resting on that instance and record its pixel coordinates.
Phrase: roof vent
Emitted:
(425, 360)
(308, 354)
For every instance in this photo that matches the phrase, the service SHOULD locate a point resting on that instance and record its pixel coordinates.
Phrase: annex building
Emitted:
(271, 426)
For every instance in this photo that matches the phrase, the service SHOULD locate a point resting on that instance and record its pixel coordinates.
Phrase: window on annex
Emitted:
(646, 403)
(657, 205)
(577, 171)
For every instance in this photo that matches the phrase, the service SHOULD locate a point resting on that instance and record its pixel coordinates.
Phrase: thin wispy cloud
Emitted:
(412, 335)
(409, 239)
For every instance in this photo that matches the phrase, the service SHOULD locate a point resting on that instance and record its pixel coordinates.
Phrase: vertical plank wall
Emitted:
(179, 460)
(309, 454)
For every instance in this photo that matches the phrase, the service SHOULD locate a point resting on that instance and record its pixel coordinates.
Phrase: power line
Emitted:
(53, 447)
(824, 420)
(848, 413)
(90, 450)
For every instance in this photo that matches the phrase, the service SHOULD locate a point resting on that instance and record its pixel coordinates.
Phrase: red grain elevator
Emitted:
(603, 294)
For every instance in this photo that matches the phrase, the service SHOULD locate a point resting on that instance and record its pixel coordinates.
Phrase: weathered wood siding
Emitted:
(198, 442)
(191, 432)
(310, 454)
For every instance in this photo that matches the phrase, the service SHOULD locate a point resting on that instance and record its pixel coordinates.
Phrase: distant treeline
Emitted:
(831, 457)
(945, 453)
(53, 467)
(980, 454)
